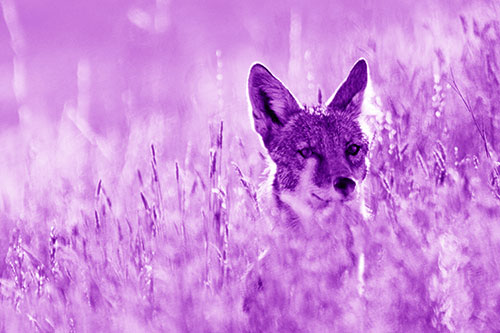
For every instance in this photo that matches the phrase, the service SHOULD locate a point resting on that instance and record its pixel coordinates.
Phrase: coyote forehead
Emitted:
(319, 152)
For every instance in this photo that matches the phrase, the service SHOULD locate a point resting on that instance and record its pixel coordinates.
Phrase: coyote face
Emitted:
(319, 151)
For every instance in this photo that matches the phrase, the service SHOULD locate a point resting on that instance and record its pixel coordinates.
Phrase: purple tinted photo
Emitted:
(261, 166)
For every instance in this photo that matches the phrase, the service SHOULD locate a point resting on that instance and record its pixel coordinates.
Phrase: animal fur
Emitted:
(318, 161)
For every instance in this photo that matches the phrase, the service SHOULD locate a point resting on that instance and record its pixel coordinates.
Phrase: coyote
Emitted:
(318, 153)
(309, 273)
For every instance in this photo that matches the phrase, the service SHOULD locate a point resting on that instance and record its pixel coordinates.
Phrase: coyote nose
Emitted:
(344, 186)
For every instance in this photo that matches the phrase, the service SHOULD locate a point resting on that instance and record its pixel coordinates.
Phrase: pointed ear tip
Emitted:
(361, 70)
(362, 64)
(257, 68)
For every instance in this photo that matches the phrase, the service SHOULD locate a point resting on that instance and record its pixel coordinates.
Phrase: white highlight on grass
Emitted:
(19, 79)
(18, 44)
(139, 18)
(219, 77)
(12, 23)
(264, 192)
(361, 272)
(366, 212)
(80, 122)
(263, 253)
(154, 21)
(371, 113)
(294, 40)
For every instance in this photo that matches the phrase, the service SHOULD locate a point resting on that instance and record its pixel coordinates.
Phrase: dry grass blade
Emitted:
(249, 188)
(481, 132)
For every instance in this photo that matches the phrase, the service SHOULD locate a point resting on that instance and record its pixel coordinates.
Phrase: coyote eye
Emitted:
(306, 152)
(353, 150)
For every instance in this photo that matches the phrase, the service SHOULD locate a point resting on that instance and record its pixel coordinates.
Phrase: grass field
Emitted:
(153, 227)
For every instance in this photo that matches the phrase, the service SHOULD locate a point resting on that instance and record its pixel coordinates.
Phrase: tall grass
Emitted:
(96, 238)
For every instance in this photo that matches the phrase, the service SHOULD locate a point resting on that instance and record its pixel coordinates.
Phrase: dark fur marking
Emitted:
(266, 101)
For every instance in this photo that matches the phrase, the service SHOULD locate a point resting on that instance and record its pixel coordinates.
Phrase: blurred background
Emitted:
(113, 61)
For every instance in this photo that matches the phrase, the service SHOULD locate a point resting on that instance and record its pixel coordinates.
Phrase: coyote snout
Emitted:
(344, 186)
(319, 151)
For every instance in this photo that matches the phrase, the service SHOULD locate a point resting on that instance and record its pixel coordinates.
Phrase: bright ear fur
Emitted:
(349, 95)
(272, 103)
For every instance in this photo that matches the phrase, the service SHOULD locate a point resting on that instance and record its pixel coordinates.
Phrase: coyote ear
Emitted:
(350, 94)
(272, 103)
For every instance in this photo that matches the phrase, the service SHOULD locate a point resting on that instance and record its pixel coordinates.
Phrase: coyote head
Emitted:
(319, 152)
